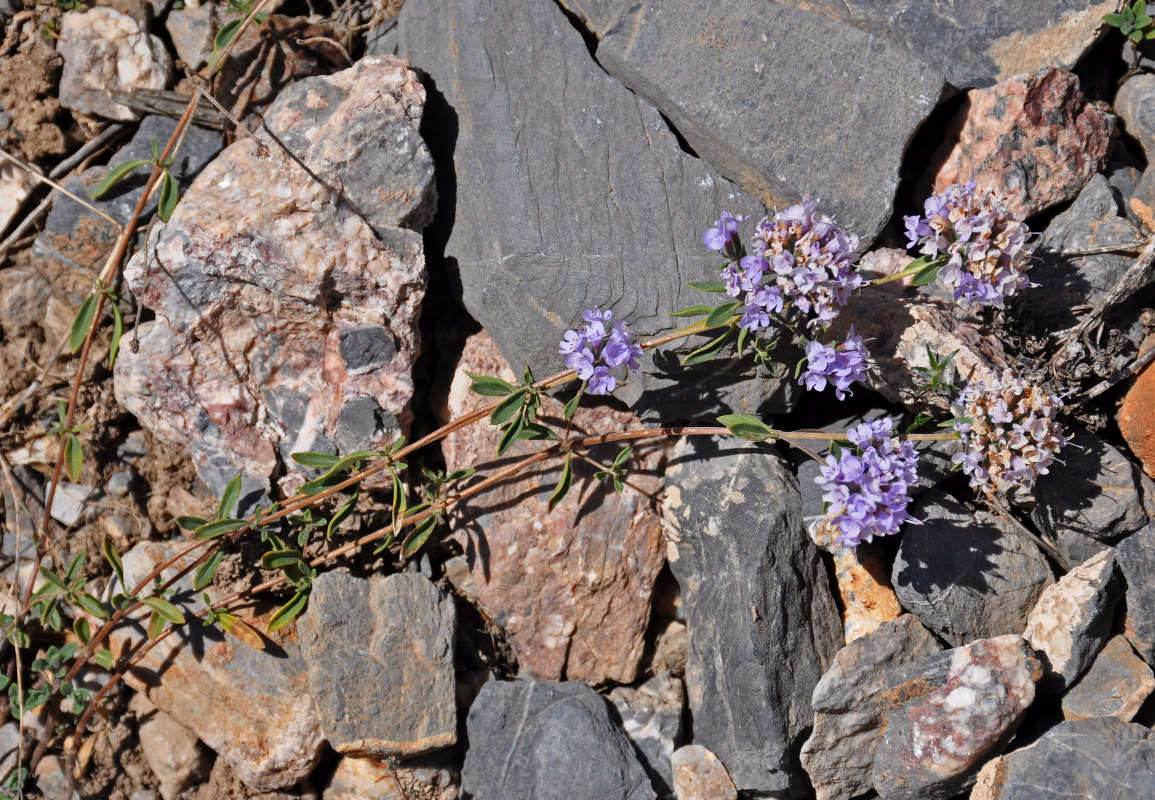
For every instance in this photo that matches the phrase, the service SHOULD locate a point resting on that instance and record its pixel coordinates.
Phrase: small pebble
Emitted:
(119, 483)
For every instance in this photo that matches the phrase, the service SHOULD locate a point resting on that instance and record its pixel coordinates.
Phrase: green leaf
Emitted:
(507, 408)
(706, 352)
(319, 485)
(279, 559)
(571, 406)
(708, 286)
(316, 460)
(221, 526)
(341, 513)
(235, 626)
(73, 457)
(117, 333)
(288, 612)
(1136, 36)
(564, 482)
(511, 434)
(81, 323)
(82, 630)
(1114, 19)
(721, 315)
(53, 578)
(836, 451)
(167, 610)
(621, 457)
(416, 540)
(229, 497)
(927, 274)
(1139, 10)
(226, 34)
(489, 386)
(352, 460)
(155, 625)
(169, 194)
(190, 523)
(104, 658)
(93, 606)
(113, 558)
(208, 570)
(747, 427)
(693, 311)
(115, 175)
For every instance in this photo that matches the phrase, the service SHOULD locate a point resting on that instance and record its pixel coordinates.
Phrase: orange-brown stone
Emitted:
(1136, 418)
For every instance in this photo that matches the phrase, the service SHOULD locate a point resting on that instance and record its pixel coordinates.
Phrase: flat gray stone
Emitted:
(966, 576)
(1116, 685)
(598, 203)
(1135, 105)
(847, 718)
(1101, 757)
(762, 623)
(978, 42)
(945, 715)
(380, 663)
(1136, 557)
(537, 740)
(783, 118)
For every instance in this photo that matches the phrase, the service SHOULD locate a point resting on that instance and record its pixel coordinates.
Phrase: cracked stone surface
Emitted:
(1072, 620)
(762, 622)
(847, 718)
(1116, 685)
(1136, 556)
(571, 587)
(599, 204)
(379, 655)
(530, 739)
(105, 50)
(1102, 757)
(945, 715)
(716, 77)
(287, 321)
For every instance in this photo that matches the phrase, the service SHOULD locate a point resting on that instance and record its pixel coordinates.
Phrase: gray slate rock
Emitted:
(966, 576)
(978, 42)
(1136, 558)
(1101, 757)
(598, 203)
(1091, 221)
(529, 739)
(753, 95)
(847, 718)
(78, 237)
(945, 715)
(1135, 105)
(380, 663)
(1116, 685)
(763, 626)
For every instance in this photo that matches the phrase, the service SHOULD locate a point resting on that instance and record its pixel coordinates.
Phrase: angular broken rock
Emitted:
(1135, 105)
(651, 716)
(763, 626)
(571, 586)
(967, 576)
(753, 96)
(108, 51)
(379, 655)
(429, 778)
(171, 749)
(946, 715)
(1034, 139)
(1101, 757)
(979, 43)
(864, 586)
(847, 717)
(1136, 418)
(699, 775)
(1072, 620)
(533, 739)
(286, 309)
(1136, 558)
(599, 203)
(1116, 685)
(251, 706)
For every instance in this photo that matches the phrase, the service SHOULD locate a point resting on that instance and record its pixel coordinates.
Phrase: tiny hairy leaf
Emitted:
(748, 427)
(237, 627)
(113, 559)
(115, 175)
(73, 456)
(341, 514)
(155, 625)
(708, 286)
(169, 194)
(417, 538)
(229, 497)
(167, 610)
(706, 352)
(190, 523)
(226, 34)
(221, 526)
(571, 406)
(82, 630)
(489, 386)
(278, 559)
(507, 408)
(82, 322)
(93, 606)
(288, 612)
(721, 315)
(564, 482)
(208, 570)
(693, 311)
(316, 460)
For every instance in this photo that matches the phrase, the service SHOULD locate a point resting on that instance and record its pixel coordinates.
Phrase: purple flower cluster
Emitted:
(593, 350)
(1009, 432)
(801, 262)
(867, 492)
(841, 365)
(985, 248)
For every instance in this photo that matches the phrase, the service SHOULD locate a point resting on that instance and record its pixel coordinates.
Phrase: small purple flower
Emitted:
(593, 351)
(841, 366)
(867, 493)
(985, 247)
(723, 234)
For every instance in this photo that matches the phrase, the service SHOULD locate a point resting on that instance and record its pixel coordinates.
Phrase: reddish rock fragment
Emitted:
(867, 597)
(1136, 418)
(1032, 138)
(572, 586)
(699, 775)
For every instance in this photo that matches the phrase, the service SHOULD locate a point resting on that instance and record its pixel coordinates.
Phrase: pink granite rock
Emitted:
(572, 586)
(286, 292)
(946, 715)
(1033, 138)
(252, 707)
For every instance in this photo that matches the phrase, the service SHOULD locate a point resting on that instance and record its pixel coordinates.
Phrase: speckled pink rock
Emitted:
(286, 292)
(699, 775)
(1033, 138)
(572, 586)
(946, 715)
